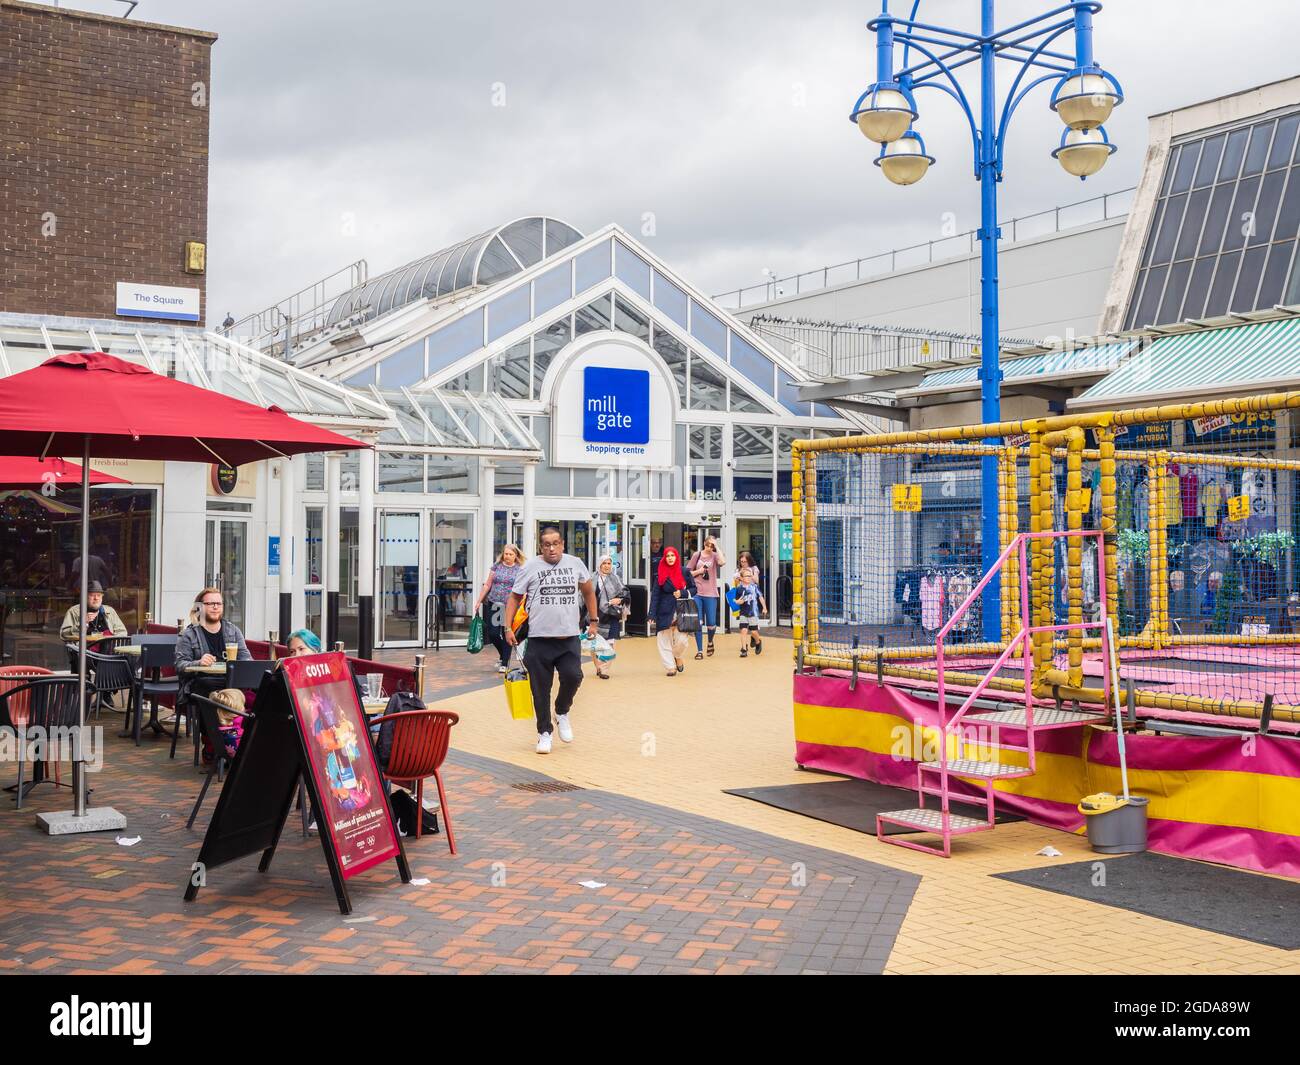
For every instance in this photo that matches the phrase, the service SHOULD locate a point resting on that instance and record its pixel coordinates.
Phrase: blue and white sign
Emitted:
(615, 405)
(157, 301)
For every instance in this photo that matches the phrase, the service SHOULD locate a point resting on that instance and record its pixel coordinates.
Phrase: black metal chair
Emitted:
(151, 684)
(209, 728)
(247, 675)
(106, 676)
(47, 704)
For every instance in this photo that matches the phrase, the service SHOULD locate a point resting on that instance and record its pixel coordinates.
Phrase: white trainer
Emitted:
(544, 743)
(566, 730)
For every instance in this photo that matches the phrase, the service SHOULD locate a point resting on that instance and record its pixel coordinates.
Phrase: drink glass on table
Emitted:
(375, 685)
(232, 651)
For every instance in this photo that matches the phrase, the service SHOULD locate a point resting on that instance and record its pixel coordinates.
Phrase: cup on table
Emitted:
(232, 651)
(375, 685)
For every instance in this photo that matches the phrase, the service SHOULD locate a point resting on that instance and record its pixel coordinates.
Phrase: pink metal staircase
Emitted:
(934, 778)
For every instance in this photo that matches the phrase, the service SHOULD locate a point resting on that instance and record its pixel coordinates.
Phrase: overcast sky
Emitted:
(376, 129)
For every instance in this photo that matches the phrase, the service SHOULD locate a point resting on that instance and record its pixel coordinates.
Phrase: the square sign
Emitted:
(615, 405)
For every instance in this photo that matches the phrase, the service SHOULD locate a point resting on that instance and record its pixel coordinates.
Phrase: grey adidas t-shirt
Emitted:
(554, 602)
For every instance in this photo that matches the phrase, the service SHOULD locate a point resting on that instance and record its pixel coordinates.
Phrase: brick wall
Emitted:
(104, 164)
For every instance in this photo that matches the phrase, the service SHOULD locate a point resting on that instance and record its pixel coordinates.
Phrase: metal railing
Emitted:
(1039, 224)
(304, 313)
(844, 349)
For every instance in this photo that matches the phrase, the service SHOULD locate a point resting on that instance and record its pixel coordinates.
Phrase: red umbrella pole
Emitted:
(78, 764)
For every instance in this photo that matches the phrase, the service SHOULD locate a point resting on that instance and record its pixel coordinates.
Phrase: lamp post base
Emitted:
(67, 823)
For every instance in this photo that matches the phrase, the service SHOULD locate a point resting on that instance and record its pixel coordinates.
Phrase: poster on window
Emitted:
(356, 818)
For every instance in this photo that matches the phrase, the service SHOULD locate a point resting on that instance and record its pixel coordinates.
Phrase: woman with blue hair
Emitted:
(303, 642)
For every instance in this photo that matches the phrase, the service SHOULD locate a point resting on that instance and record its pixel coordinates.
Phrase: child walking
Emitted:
(752, 604)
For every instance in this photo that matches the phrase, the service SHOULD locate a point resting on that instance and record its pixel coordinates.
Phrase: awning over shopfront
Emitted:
(1205, 363)
(1099, 359)
(453, 421)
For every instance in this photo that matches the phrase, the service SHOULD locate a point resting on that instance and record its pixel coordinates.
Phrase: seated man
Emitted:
(101, 619)
(204, 641)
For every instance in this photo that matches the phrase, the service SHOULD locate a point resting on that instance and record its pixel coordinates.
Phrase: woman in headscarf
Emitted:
(673, 585)
(611, 599)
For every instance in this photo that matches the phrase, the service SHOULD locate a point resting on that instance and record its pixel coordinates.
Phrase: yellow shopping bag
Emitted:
(519, 695)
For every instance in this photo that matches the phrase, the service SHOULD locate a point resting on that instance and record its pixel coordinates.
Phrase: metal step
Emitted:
(970, 767)
(1044, 717)
(928, 820)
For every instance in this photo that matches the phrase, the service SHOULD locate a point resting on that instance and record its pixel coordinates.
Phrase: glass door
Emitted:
(227, 564)
(397, 587)
(636, 573)
(451, 571)
(754, 535)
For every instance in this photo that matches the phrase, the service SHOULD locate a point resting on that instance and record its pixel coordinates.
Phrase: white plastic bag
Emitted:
(603, 649)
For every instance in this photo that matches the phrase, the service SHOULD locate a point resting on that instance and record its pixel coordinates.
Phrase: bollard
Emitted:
(272, 638)
(419, 675)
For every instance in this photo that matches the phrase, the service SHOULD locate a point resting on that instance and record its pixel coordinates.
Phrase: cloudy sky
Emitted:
(386, 129)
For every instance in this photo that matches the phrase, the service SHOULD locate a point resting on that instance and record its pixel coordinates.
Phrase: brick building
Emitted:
(104, 180)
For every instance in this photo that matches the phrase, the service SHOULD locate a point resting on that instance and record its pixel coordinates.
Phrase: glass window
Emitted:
(1225, 276)
(751, 447)
(1171, 166)
(545, 345)
(708, 386)
(552, 288)
(360, 380)
(508, 371)
(591, 267)
(1175, 289)
(627, 319)
(590, 483)
(454, 341)
(507, 313)
(1187, 160)
(752, 363)
(1288, 215)
(453, 473)
(1280, 153)
(1216, 217)
(1157, 220)
(1152, 289)
(1193, 218)
(550, 481)
(788, 394)
(465, 268)
(1252, 265)
(670, 299)
(598, 314)
(496, 263)
(1208, 167)
(470, 381)
(1198, 288)
(559, 236)
(1257, 153)
(709, 328)
(823, 410)
(673, 352)
(315, 480)
(632, 270)
(405, 367)
(784, 464)
(509, 479)
(1241, 215)
(706, 461)
(742, 402)
(1169, 226)
(524, 238)
(1233, 153)
(400, 471)
(1270, 194)
(1275, 274)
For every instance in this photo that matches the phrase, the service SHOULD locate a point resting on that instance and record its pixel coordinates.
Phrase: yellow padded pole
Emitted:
(1109, 526)
(796, 546)
(811, 621)
(1074, 553)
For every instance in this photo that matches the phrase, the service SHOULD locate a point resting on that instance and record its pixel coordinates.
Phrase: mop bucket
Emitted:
(1115, 825)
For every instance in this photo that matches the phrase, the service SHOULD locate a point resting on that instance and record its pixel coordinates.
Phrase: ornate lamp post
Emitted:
(1083, 95)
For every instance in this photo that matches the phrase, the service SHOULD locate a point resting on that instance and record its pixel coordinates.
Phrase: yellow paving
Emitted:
(726, 723)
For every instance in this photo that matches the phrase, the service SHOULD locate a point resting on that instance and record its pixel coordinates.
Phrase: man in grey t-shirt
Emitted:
(555, 586)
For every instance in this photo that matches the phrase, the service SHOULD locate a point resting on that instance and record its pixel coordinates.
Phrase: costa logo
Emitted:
(319, 669)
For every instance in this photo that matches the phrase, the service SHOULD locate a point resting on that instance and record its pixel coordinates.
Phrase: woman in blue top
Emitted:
(492, 598)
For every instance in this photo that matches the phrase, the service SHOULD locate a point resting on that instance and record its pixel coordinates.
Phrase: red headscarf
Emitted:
(671, 571)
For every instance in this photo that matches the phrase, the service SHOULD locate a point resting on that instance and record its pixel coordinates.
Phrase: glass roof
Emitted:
(439, 418)
(480, 260)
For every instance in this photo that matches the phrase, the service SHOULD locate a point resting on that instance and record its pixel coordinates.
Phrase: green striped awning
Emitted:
(1101, 358)
(1258, 357)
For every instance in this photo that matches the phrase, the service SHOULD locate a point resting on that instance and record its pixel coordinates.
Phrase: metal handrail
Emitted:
(913, 255)
(304, 312)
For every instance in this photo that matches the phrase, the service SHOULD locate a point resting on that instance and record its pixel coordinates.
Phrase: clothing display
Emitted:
(932, 596)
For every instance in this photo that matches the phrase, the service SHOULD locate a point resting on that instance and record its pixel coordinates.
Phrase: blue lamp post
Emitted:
(1083, 96)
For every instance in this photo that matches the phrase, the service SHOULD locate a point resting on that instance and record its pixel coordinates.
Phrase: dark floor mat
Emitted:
(850, 803)
(1213, 897)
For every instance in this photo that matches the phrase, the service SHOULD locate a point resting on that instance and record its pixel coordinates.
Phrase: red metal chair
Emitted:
(12, 677)
(421, 739)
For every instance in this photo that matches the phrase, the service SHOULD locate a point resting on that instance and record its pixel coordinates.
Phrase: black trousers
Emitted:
(546, 657)
(493, 614)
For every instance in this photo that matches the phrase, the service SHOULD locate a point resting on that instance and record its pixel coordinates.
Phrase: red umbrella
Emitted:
(91, 403)
(22, 471)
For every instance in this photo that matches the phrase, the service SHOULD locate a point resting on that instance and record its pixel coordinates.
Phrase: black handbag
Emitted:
(688, 616)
